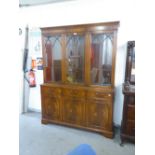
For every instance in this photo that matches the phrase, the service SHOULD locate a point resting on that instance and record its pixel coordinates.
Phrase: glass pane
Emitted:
(101, 59)
(75, 58)
(132, 78)
(53, 61)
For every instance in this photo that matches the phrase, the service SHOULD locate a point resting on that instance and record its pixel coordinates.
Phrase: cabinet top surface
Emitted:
(98, 26)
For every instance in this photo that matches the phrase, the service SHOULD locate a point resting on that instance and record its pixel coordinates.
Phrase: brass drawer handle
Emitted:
(98, 93)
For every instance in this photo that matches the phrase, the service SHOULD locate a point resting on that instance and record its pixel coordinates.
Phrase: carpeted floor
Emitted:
(39, 139)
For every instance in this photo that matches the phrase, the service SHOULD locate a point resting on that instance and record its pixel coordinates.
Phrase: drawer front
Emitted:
(51, 91)
(130, 112)
(73, 92)
(98, 94)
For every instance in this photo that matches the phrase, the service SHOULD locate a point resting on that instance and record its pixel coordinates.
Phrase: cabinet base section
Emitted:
(106, 133)
(44, 121)
(125, 137)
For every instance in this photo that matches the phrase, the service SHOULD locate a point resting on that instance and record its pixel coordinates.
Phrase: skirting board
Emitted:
(33, 110)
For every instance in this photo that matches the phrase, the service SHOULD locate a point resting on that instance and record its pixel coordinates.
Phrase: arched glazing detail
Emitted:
(75, 58)
(53, 57)
(101, 59)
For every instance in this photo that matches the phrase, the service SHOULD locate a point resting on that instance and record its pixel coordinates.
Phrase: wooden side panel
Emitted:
(130, 112)
(128, 119)
(130, 128)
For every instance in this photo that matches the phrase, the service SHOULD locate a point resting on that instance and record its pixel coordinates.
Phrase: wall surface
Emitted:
(21, 48)
(35, 52)
(84, 11)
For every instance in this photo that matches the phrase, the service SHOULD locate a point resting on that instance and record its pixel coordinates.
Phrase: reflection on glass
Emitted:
(75, 58)
(53, 51)
(101, 59)
(132, 78)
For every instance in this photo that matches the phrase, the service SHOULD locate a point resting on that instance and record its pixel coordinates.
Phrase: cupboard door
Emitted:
(52, 108)
(101, 59)
(73, 110)
(52, 52)
(97, 113)
(75, 56)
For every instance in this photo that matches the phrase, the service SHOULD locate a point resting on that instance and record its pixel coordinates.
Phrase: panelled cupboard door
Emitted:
(52, 108)
(51, 102)
(97, 113)
(73, 110)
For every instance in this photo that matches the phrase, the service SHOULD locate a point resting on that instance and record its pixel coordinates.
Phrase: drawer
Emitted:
(74, 92)
(130, 112)
(51, 91)
(98, 94)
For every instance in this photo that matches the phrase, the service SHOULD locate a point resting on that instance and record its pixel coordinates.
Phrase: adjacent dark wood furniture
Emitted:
(128, 118)
(79, 72)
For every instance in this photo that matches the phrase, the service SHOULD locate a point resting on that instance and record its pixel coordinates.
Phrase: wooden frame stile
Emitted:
(87, 68)
(63, 64)
(44, 75)
(42, 108)
(87, 58)
(113, 73)
(114, 58)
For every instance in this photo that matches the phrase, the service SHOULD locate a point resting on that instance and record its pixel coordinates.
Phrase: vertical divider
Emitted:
(63, 64)
(87, 58)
